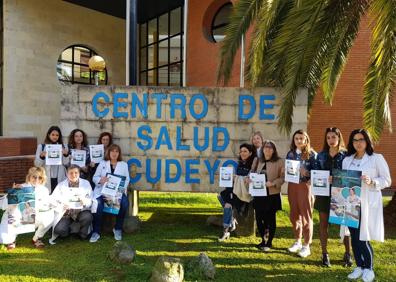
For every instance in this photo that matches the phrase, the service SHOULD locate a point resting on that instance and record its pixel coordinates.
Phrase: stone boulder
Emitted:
(122, 253)
(200, 267)
(131, 224)
(167, 269)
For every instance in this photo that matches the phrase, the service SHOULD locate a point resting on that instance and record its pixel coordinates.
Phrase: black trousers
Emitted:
(266, 219)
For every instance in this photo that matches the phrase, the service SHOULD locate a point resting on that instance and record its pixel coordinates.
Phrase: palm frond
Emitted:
(244, 13)
(382, 71)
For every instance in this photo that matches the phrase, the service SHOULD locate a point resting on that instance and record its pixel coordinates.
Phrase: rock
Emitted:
(131, 224)
(167, 269)
(200, 267)
(215, 220)
(246, 221)
(122, 252)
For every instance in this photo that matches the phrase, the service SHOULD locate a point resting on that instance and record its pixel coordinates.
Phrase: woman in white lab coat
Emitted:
(42, 213)
(112, 164)
(375, 176)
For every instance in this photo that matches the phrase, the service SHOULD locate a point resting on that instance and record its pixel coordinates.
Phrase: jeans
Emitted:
(81, 225)
(97, 217)
(227, 213)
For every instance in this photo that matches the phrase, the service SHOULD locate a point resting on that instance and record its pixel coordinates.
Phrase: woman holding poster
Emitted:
(375, 176)
(299, 195)
(111, 165)
(257, 141)
(78, 141)
(55, 173)
(42, 214)
(227, 198)
(331, 157)
(265, 207)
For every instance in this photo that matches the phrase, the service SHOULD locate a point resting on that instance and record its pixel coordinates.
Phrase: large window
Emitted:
(220, 22)
(73, 66)
(161, 50)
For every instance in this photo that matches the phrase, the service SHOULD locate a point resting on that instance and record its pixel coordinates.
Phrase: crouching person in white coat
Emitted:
(72, 198)
(36, 177)
(375, 176)
(112, 164)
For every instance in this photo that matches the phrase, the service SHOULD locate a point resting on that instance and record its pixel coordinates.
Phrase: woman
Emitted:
(375, 176)
(331, 157)
(266, 207)
(227, 198)
(106, 139)
(42, 214)
(257, 141)
(112, 164)
(55, 173)
(72, 199)
(299, 195)
(78, 141)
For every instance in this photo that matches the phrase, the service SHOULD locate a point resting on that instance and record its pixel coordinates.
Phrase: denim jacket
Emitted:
(306, 164)
(321, 162)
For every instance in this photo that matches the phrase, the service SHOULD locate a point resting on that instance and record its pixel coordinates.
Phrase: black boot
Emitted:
(326, 260)
(347, 260)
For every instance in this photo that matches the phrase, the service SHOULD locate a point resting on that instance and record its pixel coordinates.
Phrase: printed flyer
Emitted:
(21, 210)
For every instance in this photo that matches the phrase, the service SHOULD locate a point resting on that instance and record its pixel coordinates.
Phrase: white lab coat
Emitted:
(372, 219)
(59, 200)
(42, 210)
(103, 169)
(61, 170)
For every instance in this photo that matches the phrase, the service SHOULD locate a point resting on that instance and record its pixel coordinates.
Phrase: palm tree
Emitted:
(305, 43)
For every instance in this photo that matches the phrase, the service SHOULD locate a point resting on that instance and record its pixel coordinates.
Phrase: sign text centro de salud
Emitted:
(176, 139)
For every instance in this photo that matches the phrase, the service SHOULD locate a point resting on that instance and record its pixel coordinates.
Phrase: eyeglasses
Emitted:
(359, 140)
(37, 177)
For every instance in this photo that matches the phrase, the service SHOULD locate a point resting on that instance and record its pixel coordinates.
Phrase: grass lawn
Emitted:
(174, 225)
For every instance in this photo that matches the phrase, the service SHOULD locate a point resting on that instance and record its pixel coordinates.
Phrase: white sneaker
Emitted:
(295, 247)
(368, 275)
(94, 237)
(117, 234)
(304, 252)
(266, 249)
(355, 274)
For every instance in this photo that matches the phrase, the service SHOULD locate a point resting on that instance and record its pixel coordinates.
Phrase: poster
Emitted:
(54, 154)
(345, 198)
(111, 186)
(112, 204)
(257, 185)
(292, 171)
(96, 152)
(78, 157)
(73, 198)
(21, 210)
(320, 182)
(226, 176)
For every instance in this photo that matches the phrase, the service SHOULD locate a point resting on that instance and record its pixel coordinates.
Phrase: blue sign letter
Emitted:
(168, 178)
(204, 106)
(163, 138)
(212, 170)
(181, 106)
(138, 175)
(264, 106)
(215, 145)
(159, 97)
(100, 95)
(189, 171)
(252, 103)
(142, 133)
(142, 105)
(118, 104)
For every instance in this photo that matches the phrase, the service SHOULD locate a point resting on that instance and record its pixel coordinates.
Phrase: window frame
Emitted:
(213, 27)
(73, 63)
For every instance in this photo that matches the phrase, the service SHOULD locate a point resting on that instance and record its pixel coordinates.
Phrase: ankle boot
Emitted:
(225, 236)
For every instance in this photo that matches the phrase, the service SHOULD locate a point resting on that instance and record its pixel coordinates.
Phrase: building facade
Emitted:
(46, 44)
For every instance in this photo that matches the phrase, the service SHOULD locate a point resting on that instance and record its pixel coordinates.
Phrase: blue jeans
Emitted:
(97, 217)
(227, 213)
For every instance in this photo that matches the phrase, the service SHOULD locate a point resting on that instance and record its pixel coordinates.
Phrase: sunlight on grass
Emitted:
(174, 224)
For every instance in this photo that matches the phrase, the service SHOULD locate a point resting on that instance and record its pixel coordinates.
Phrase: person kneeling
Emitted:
(111, 165)
(72, 197)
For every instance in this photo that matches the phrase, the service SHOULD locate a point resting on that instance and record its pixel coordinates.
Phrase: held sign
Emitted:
(176, 139)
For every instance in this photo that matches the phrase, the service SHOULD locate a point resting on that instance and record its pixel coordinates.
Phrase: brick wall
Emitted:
(16, 157)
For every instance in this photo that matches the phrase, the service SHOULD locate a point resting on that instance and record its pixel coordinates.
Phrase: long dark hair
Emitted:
(307, 149)
(47, 140)
(103, 134)
(337, 131)
(275, 155)
(251, 149)
(72, 143)
(367, 138)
